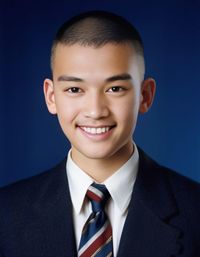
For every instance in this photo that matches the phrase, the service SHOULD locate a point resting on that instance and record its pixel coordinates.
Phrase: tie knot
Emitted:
(98, 195)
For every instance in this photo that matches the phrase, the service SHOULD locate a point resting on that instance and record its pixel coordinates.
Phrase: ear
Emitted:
(147, 94)
(48, 88)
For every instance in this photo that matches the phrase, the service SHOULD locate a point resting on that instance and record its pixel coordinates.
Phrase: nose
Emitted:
(96, 107)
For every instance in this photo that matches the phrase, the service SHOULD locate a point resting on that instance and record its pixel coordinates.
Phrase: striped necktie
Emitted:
(96, 238)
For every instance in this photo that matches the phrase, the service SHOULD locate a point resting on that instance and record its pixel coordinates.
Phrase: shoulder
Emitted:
(183, 187)
(173, 197)
(26, 190)
(184, 190)
(157, 170)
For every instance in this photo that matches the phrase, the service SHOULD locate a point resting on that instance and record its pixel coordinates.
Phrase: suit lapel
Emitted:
(54, 210)
(148, 229)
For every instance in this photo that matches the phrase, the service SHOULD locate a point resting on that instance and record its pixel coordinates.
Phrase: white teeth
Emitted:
(95, 131)
(99, 130)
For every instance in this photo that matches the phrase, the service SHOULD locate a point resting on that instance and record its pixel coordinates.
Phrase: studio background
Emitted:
(30, 138)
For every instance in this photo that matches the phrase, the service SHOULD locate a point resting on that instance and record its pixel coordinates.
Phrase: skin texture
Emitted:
(96, 88)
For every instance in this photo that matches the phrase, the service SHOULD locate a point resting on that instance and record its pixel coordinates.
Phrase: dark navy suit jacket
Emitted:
(163, 218)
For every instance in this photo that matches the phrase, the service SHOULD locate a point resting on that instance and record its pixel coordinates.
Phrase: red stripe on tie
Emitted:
(100, 241)
(93, 196)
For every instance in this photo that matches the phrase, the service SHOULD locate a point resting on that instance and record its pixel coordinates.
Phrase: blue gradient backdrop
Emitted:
(30, 138)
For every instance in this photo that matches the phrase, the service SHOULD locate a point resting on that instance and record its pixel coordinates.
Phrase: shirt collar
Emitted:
(79, 182)
(120, 184)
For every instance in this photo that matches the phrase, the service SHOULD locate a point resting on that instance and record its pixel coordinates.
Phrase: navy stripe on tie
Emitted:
(96, 239)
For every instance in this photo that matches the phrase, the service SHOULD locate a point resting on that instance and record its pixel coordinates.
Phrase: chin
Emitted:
(99, 154)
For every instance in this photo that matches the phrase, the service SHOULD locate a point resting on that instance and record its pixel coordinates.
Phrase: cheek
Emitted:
(128, 111)
(66, 110)
(128, 117)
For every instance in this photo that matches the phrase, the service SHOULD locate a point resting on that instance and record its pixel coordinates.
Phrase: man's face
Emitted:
(97, 94)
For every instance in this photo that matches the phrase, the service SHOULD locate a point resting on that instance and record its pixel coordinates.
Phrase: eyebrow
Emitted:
(69, 78)
(124, 76)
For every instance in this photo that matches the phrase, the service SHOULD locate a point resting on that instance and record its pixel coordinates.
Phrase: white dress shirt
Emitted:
(120, 186)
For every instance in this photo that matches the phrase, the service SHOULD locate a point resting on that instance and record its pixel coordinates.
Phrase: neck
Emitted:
(101, 169)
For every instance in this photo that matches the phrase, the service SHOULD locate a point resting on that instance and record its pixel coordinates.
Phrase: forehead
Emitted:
(88, 60)
(77, 52)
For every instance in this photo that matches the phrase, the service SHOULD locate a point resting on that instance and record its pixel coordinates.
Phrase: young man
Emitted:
(107, 198)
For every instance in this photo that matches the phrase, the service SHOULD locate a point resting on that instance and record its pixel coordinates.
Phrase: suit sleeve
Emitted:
(1, 255)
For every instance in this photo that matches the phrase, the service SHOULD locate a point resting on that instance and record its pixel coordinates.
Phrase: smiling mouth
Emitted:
(96, 130)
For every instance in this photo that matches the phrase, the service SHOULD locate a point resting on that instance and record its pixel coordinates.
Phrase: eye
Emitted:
(116, 89)
(74, 90)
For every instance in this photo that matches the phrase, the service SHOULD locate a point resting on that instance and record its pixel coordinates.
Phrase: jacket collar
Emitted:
(53, 208)
(148, 230)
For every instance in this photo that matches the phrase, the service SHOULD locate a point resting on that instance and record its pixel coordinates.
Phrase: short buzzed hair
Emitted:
(97, 28)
